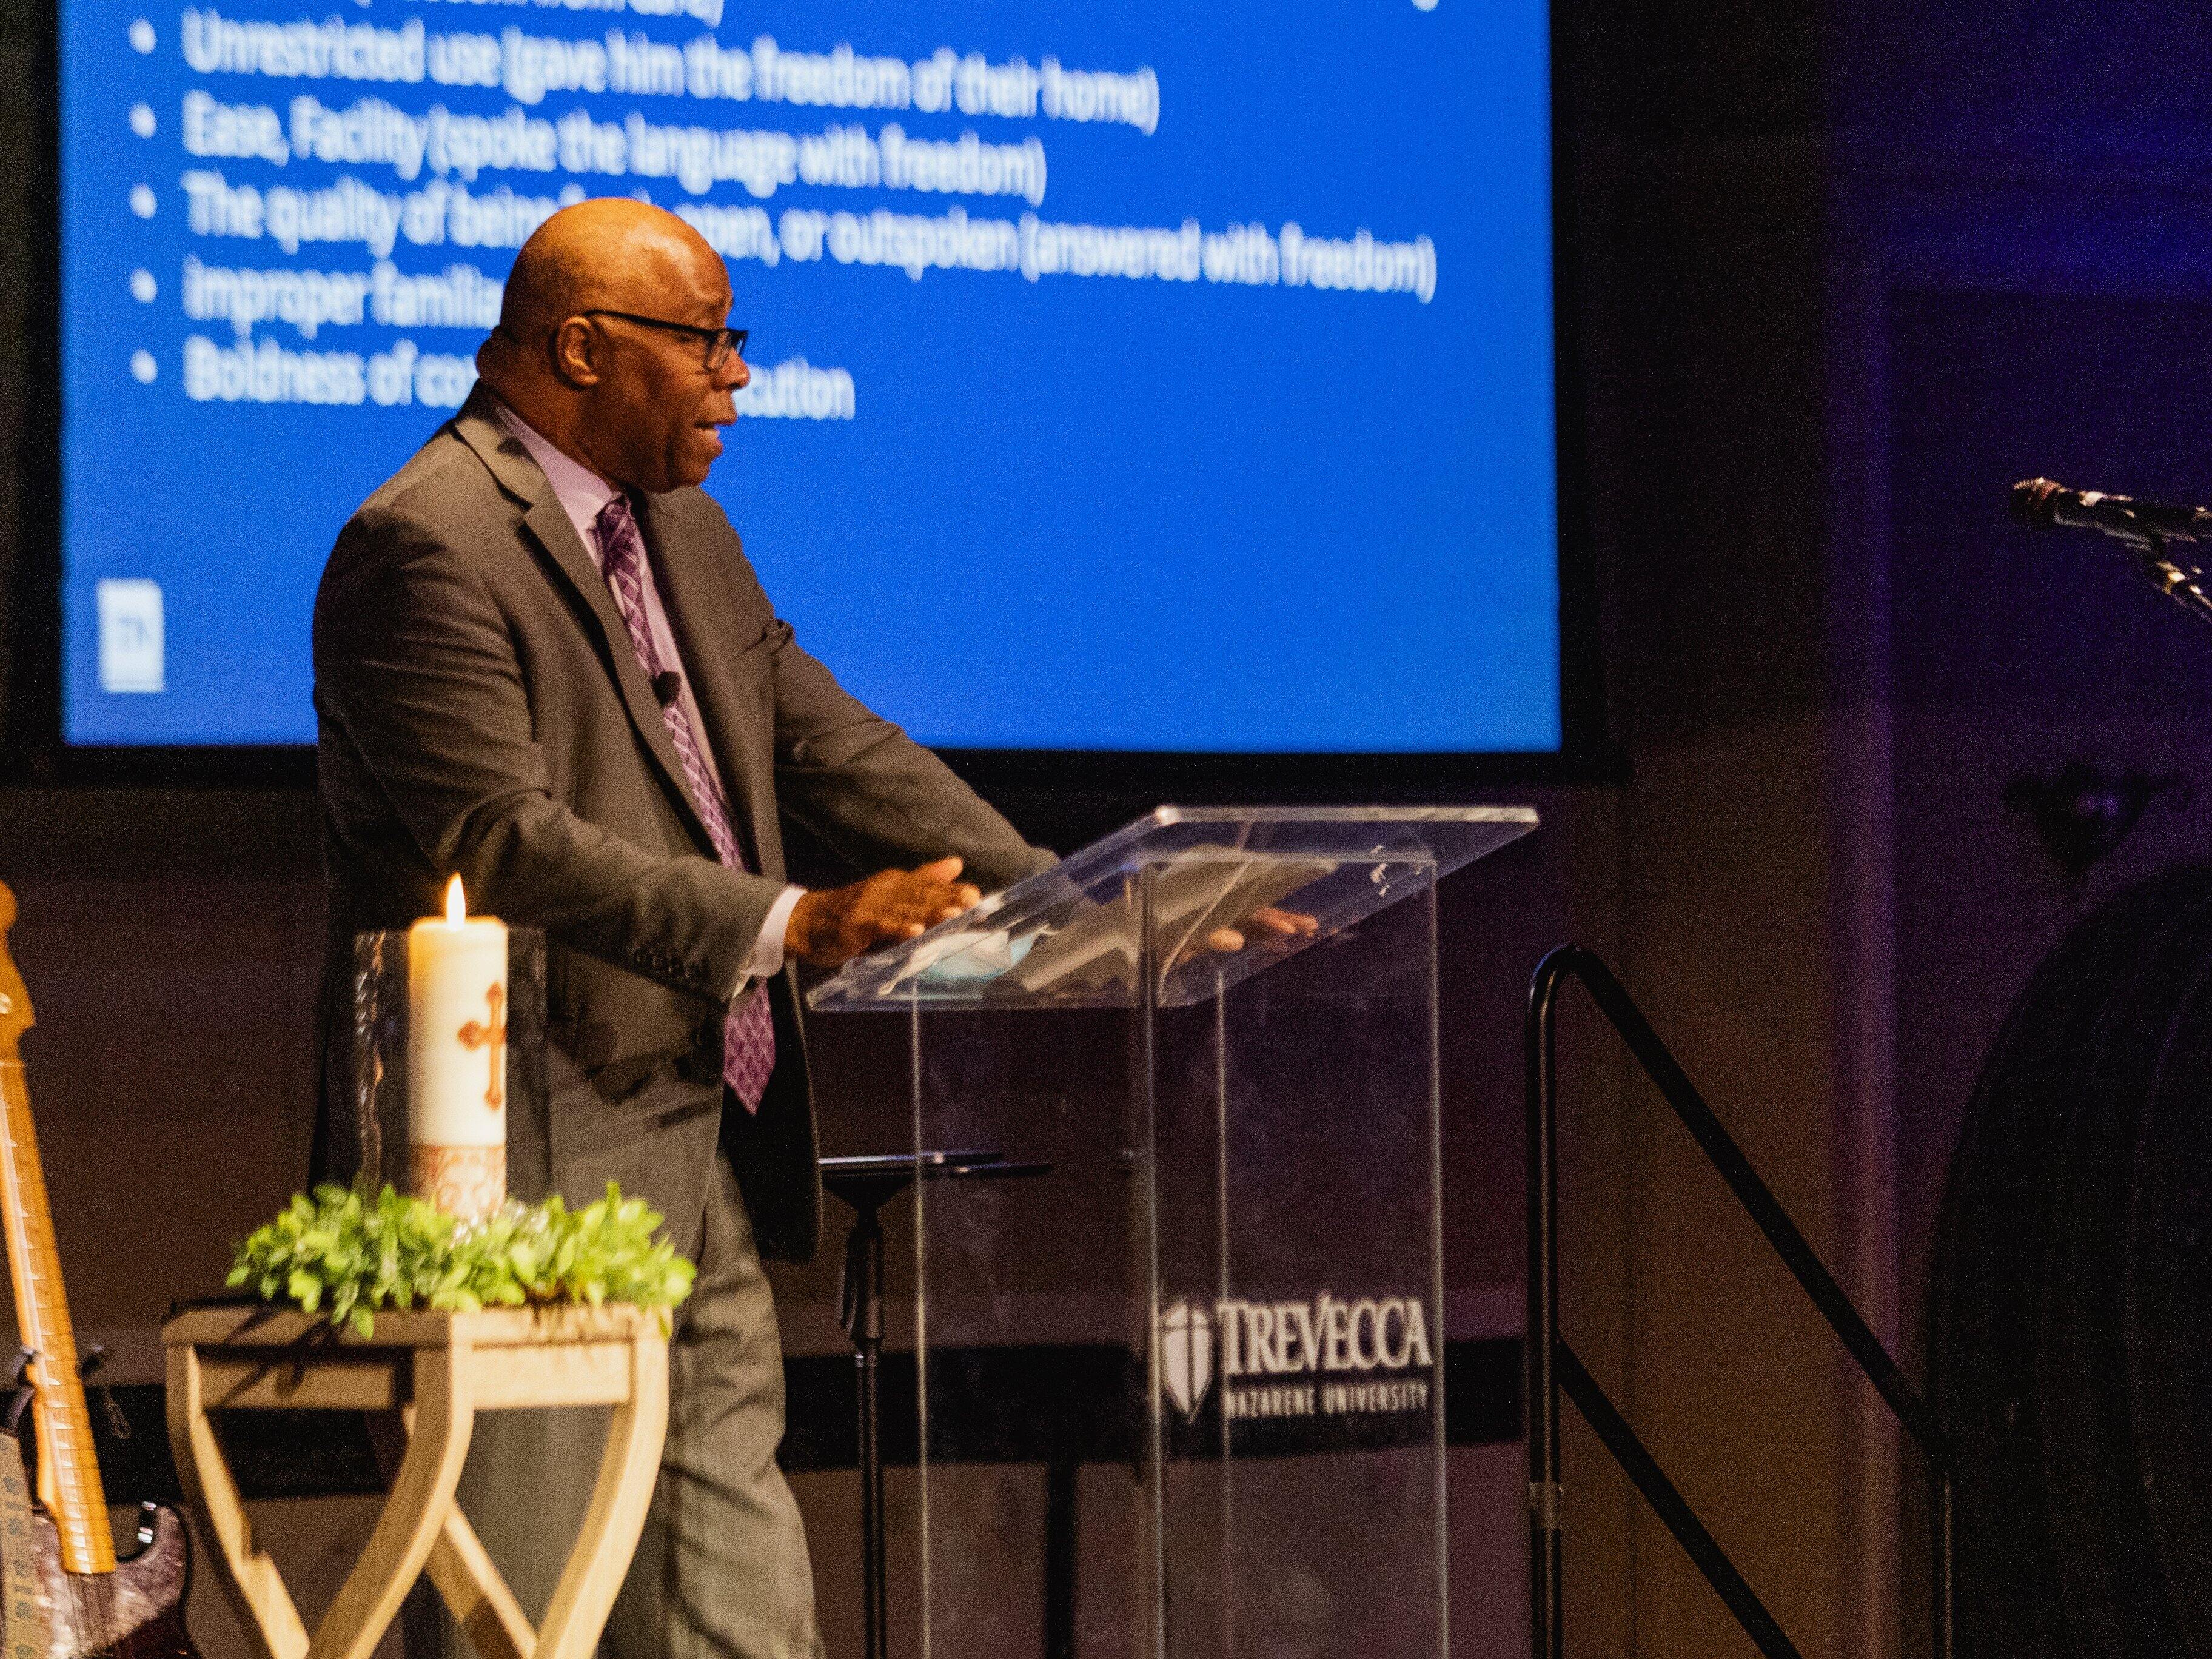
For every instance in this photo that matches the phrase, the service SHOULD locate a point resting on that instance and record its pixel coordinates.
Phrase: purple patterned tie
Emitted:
(749, 1033)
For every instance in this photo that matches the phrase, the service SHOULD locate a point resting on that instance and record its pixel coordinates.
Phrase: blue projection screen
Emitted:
(1148, 377)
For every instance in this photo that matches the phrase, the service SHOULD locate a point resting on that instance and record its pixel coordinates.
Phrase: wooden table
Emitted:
(439, 1369)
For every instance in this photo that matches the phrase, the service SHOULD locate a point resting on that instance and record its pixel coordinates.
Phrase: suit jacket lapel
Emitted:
(697, 597)
(479, 426)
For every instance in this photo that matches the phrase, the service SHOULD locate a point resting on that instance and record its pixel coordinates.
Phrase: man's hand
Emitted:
(831, 927)
(1268, 921)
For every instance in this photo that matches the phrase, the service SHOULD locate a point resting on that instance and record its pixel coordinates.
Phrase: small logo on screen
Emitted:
(130, 648)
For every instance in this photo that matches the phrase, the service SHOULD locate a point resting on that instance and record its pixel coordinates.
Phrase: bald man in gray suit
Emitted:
(543, 662)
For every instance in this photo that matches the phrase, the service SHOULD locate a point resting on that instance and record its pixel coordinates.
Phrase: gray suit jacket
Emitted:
(480, 710)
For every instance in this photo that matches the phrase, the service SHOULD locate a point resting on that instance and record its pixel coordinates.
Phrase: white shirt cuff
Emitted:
(767, 958)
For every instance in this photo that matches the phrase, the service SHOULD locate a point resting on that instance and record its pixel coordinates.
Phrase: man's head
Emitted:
(634, 402)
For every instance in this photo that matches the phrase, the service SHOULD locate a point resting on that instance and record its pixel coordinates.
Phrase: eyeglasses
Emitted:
(720, 343)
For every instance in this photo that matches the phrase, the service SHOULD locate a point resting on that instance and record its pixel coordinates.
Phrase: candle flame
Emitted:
(456, 903)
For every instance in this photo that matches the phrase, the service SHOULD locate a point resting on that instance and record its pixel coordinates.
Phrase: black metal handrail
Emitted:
(1551, 1363)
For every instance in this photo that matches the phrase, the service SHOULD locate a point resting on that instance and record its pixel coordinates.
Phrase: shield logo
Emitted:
(1186, 1357)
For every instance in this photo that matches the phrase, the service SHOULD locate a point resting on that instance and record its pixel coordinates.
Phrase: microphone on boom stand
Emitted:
(2145, 528)
(2043, 505)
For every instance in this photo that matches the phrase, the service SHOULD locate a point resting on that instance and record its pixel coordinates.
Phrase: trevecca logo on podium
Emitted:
(1324, 1357)
(1186, 1357)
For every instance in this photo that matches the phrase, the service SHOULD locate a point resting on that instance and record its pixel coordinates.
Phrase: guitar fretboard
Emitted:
(68, 1472)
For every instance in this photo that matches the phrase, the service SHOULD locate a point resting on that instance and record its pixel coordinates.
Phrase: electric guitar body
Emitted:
(135, 1611)
(94, 1606)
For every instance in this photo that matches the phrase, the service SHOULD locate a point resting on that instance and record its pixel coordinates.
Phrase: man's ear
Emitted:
(574, 351)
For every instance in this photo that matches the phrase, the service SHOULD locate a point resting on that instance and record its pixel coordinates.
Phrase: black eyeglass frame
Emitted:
(721, 342)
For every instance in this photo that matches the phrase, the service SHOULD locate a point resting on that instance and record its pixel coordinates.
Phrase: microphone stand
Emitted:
(2182, 583)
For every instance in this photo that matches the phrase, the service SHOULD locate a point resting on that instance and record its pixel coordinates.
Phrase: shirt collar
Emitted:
(581, 492)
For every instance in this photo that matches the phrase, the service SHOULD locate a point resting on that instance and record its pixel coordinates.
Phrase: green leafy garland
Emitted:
(340, 1253)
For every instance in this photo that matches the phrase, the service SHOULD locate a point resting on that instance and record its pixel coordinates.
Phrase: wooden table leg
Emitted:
(249, 1579)
(414, 1515)
(628, 1469)
(477, 1597)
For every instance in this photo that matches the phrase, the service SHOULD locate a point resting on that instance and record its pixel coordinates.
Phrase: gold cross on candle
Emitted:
(491, 1034)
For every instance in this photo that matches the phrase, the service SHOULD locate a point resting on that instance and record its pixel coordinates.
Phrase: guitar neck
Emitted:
(69, 1471)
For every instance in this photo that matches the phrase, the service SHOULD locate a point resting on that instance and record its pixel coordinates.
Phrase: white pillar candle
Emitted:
(457, 1058)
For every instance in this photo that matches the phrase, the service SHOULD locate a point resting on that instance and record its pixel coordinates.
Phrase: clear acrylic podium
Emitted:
(1218, 1028)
